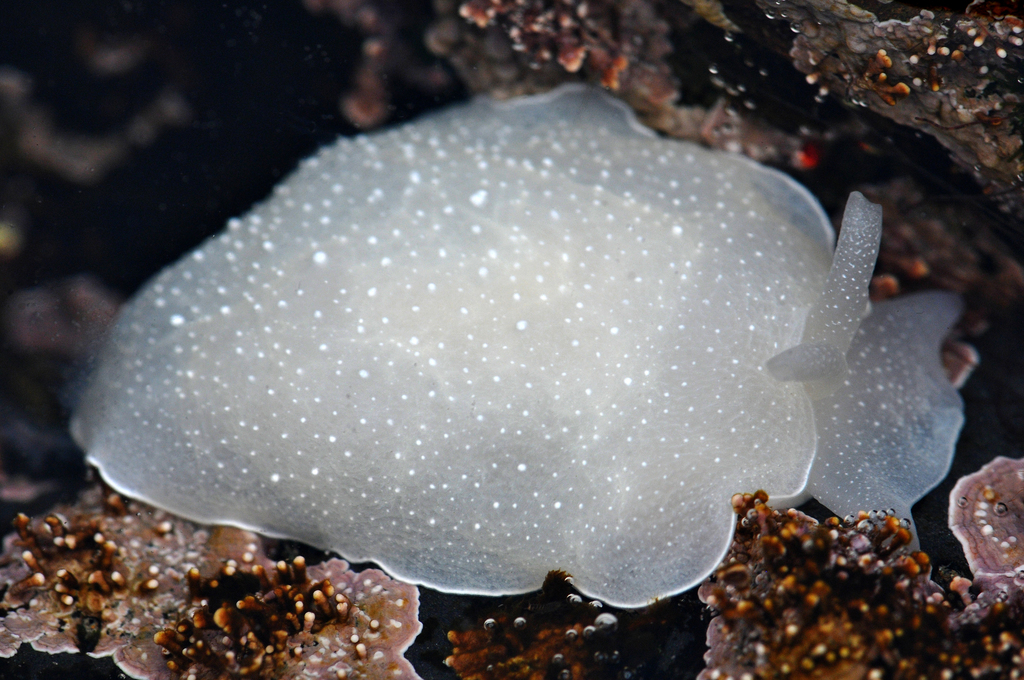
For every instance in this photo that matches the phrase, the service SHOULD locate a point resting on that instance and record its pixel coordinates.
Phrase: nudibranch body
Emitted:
(509, 338)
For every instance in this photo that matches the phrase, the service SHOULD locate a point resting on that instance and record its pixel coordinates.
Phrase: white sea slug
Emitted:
(510, 338)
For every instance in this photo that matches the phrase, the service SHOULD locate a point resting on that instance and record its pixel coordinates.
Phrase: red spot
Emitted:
(808, 157)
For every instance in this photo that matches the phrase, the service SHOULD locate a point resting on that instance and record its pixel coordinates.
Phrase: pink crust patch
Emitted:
(986, 514)
(959, 359)
(106, 576)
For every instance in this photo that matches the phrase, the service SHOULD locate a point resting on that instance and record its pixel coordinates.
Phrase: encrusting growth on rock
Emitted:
(514, 47)
(110, 577)
(951, 75)
(986, 513)
(844, 598)
(932, 245)
(291, 621)
(98, 575)
(794, 598)
(557, 634)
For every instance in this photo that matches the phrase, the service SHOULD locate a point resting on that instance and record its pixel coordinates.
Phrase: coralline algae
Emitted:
(511, 338)
(986, 514)
(166, 599)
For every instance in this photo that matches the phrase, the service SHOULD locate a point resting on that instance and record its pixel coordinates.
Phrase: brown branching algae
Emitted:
(111, 577)
(294, 622)
(99, 575)
(846, 599)
(557, 634)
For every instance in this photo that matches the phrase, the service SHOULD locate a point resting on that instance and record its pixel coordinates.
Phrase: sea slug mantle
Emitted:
(509, 338)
